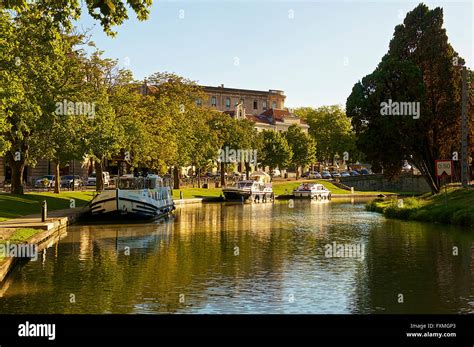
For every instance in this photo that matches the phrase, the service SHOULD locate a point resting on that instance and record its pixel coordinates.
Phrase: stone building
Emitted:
(253, 101)
(265, 108)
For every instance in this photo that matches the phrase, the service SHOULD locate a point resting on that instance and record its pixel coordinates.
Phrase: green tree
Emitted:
(227, 136)
(177, 96)
(61, 131)
(331, 129)
(303, 147)
(109, 13)
(276, 150)
(31, 74)
(206, 142)
(417, 68)
(103, 135)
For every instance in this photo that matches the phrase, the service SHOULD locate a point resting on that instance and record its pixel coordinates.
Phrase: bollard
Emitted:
(181, 194)
(44, 211)
(352, 190)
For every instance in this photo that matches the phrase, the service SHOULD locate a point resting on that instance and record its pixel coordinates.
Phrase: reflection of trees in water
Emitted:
(184, 256)
(416, 260)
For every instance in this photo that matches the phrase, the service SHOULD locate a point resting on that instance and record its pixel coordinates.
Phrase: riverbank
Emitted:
(31, 230)
(455, 207)
(280, 188)
(14, 205)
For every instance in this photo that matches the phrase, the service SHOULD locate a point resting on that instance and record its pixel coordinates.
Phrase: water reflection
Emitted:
(261, 258)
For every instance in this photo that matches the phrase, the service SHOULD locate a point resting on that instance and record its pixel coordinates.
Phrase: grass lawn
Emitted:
(22, 234)
(19, 236)
(431, 208)
(279, 188)
(12, 205)
(286, 187)
(191, 193)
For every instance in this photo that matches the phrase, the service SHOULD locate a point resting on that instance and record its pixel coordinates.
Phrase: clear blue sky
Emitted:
(313, 50)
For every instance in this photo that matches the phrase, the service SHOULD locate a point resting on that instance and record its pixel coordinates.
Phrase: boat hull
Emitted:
(239, 195)
(311, 195)
(144, 204)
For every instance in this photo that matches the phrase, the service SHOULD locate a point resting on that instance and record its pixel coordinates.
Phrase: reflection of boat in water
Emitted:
(312, 191)
(257, 189)
(135, 197)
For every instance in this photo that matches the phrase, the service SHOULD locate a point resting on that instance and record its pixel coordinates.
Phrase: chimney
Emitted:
(222, 85)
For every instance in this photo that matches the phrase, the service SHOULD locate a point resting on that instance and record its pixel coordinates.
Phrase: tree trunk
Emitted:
(222, 174)
(426, 171)
(57, 181)
(297, 173)
(17, 167)
(198, 171)
(247, 170)
(99, 177)
(176, 177)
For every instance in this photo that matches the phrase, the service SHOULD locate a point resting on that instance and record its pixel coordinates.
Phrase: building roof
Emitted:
(276, 115)
(222, 89)
(257, 119)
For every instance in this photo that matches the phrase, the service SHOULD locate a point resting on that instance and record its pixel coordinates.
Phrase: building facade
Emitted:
(254, 102)
(265, 108)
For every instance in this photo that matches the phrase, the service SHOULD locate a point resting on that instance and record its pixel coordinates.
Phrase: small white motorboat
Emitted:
(134, 197)
(257, 189)
(312, 191)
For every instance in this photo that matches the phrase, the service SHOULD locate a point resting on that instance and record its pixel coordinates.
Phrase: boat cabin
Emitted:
(128, 182)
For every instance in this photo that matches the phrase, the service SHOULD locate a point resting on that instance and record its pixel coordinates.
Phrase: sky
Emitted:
(315, 51)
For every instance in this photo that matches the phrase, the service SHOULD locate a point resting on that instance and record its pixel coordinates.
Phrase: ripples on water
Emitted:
(263, 258)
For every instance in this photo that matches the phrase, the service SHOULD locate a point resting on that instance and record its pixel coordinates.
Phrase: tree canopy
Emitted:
(422, 68)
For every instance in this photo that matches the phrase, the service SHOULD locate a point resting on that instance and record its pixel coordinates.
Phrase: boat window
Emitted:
(138, 183)
(244, 184)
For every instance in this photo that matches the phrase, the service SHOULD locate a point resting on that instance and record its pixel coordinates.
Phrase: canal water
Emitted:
(261, 258)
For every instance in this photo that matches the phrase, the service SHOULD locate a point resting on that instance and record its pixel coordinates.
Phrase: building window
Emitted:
(227, 102)
(213, 101)
(274, 104)
(199, 102)
(265, 105)
(255, 104)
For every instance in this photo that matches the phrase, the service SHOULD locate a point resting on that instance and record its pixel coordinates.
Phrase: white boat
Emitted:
(312, 191)
(257, 189)
(134, 197)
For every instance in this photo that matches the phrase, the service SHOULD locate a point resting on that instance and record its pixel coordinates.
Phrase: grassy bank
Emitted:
(279, 188)
(19, 235)
(12, 205)
(286, 187)
(192, 193)
(458, 210)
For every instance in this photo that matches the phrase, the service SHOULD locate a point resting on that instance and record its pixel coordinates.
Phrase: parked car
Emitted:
(354, 173)
(364, 172)
(335, 174)
(91, 181)
(68, 180)
(326, 175)
(46, 181)
(305, 174)
(314, 175)
(345, 174)
(276, 173)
